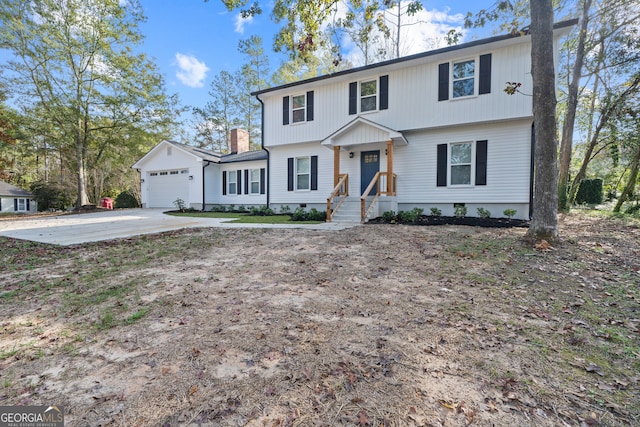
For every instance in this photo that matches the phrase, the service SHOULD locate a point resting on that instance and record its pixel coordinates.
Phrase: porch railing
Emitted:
(383, 187)
(341, 189)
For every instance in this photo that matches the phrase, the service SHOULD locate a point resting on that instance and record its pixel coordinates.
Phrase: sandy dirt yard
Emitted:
(379, 325)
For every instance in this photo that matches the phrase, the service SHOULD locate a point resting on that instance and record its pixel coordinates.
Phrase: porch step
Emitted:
(349, 212)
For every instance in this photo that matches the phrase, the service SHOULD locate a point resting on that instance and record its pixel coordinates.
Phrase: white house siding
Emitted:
(7, 204)
(246, 200)
(413, 96)
(508, 169)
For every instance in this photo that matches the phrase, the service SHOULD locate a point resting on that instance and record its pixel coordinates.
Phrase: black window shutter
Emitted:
(224, 183)
(290, 174)
(442, 165)
(485, 74)
(353, 98)
(443, 81)
(246, 181)
(15, 205)
(384, 92)
(314, 172)
(310, 106)
(262, 179)
(28, 208)
(481, 162)
(239, 182)
(285, 110)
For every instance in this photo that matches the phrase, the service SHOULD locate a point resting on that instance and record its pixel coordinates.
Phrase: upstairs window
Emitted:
(463, 78)
(298, 109)
(368, 95)
(460, 79)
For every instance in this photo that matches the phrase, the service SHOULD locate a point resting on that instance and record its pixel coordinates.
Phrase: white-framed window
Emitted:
(22, 205)
(460, 163)
(232, 182)
(163, 173)
(368, 95)
(303, 173)
(173, 173)
(254, 180)
(299, 108)
(153, 174)
(463, 78)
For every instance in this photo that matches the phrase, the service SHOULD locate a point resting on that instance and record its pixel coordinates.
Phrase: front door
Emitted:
(369, 166)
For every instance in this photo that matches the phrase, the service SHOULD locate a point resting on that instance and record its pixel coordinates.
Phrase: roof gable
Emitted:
(362, 131)
(195, 152)
(7, 189)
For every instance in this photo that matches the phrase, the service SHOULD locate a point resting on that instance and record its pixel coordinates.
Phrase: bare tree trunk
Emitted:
(544, 224)
(566, 143)
(633, 176)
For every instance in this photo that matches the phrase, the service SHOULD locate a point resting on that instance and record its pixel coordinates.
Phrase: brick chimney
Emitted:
(239, 140)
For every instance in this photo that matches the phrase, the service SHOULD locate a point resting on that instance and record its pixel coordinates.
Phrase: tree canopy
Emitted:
(76, 72)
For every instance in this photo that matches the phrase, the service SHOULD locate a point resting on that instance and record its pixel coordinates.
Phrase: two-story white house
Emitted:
(432, 130)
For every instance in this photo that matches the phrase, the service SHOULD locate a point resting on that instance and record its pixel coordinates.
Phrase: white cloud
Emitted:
(241, 22)
(191, 72)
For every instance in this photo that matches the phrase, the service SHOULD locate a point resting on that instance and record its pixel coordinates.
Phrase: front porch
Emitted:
(375, 176)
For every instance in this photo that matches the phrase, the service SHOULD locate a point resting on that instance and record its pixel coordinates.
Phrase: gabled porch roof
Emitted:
(363, 131)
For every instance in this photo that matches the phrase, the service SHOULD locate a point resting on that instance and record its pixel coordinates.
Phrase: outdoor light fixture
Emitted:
(351, 155)
(190, 177)
(142, 180)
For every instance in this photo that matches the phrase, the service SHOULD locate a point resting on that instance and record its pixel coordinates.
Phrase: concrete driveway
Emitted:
(117, 224)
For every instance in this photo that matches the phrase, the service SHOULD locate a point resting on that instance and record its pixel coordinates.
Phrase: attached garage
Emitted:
(166, 186)
(172, 171)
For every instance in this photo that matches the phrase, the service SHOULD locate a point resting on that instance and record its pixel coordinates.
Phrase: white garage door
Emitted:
(165, 187)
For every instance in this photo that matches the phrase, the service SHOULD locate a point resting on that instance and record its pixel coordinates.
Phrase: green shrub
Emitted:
(436, 212)
(261, 211)
(389, 216)
(460, 211)
(180, 204)
(316, 215)
(242, 209)
(510, 213)
(50, 196)
(299, 215)
(410, 216)
(126, 200)
(633, 209)
(313, 215)
(483, 213)
(219, 208)
(590, 192)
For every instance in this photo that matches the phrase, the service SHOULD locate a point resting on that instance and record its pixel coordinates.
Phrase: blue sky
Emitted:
(192, 41)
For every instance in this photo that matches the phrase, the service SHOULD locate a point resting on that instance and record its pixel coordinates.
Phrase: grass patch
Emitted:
(245, 218)
(137, 315)
(207, 214)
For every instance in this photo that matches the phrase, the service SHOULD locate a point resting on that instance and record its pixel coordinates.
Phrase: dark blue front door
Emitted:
(369, 166)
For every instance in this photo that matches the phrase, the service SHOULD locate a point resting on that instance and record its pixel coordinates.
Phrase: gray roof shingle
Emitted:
(7, 189)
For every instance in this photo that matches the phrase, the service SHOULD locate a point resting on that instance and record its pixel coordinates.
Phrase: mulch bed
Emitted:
(453, 220)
